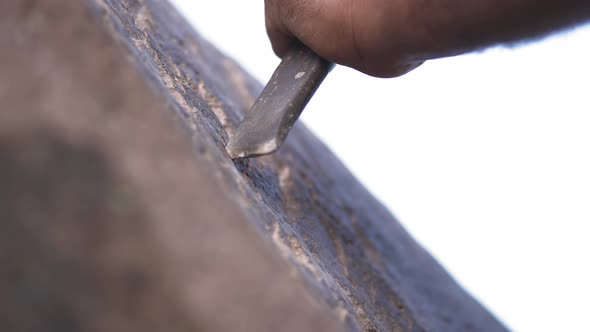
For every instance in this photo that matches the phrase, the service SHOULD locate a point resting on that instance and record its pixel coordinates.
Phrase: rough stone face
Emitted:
(121, 211)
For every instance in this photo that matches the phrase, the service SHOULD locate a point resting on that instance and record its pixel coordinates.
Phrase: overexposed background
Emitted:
(484, 158)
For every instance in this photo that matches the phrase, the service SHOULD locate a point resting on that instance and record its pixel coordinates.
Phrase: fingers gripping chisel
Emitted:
(274, 113)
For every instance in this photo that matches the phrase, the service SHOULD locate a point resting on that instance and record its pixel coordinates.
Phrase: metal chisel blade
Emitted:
(269, 121)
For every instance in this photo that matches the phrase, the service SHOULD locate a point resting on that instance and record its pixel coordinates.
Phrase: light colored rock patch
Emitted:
(238, 80)
(291, 249)
(215, 105)
(143, 19)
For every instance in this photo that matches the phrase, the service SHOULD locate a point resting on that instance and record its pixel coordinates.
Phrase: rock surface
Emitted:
(121, 211)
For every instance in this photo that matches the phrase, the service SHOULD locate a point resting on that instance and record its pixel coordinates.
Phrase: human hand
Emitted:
(354, 33)
(388, 38)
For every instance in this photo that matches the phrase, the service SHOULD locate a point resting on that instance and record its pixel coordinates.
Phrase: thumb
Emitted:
(280, 37)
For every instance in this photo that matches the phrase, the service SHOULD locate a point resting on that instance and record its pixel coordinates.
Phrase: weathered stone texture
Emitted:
(121, 211)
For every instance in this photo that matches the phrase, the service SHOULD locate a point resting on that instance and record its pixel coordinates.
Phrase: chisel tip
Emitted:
(240, 147)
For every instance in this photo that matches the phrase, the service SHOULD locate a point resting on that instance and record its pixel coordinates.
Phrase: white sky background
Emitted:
(485, 159)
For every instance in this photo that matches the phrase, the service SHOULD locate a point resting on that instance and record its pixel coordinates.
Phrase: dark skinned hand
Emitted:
(388, 38)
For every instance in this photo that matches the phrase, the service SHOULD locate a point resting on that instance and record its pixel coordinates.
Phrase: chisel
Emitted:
(267, 124)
